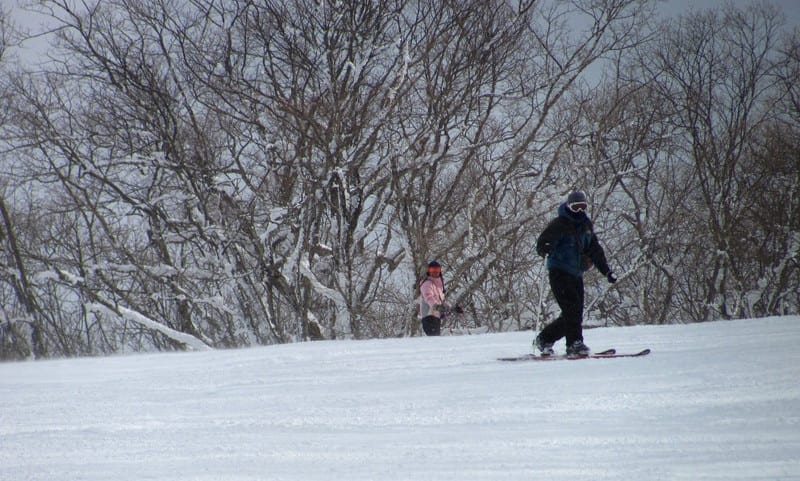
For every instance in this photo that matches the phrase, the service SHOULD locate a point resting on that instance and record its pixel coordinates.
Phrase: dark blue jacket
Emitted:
(568, 238)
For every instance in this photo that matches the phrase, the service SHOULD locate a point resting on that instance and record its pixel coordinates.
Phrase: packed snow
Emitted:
(714, 401)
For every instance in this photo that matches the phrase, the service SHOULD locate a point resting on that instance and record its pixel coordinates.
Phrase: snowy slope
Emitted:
(715, 401)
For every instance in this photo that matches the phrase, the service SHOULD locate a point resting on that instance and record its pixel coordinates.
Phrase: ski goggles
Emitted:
(578, 206)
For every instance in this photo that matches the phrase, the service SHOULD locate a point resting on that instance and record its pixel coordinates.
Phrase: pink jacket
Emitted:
(431, 291)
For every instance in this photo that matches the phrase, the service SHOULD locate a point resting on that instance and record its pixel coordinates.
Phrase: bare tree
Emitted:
(21, 332)
(706, 93)
(773, 241)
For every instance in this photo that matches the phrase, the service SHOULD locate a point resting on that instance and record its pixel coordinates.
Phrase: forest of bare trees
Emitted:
(227, 173)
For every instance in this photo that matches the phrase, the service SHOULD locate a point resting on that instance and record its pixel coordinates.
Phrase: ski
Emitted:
(555, 357)
(607, 354)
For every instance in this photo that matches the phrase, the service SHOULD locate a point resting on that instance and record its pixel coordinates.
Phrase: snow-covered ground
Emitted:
(715, 401)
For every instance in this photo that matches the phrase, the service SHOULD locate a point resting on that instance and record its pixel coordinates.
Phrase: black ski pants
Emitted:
(568, 291)
(432, 325)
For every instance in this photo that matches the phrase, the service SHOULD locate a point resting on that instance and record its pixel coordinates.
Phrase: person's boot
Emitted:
(545, 348)
(578, 348)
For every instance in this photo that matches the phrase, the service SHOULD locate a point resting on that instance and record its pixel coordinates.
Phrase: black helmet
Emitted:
(576, 201)
(577, 196)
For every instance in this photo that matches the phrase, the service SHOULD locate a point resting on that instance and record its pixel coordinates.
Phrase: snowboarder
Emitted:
(571, 247)
(431, 301)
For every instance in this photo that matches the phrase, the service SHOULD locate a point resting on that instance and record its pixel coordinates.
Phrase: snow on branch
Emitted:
(130, 315)
(117, 311)
(343, 313)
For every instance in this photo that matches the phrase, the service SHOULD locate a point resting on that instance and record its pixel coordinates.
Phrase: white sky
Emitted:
(676, 7)
(667, 7)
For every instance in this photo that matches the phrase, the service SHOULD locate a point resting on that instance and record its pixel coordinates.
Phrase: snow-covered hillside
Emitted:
(715, 401)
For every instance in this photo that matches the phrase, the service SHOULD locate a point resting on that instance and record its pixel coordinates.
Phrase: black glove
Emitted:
(544, 249)
(611, 277)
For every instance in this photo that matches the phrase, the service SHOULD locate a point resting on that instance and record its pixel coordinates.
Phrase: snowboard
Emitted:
(607, 354)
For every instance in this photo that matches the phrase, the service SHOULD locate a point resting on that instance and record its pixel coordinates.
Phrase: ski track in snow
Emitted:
(714, 401)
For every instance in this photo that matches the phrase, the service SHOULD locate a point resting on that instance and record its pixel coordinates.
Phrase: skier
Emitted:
(571, 247)
(431, 301)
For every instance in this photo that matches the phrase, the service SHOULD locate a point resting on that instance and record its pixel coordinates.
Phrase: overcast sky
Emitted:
(676, 7)
(791, 9)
